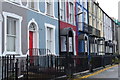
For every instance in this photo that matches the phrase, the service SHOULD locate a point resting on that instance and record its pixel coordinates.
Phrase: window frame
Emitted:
(62, 10)
(36, 5)
(71, 12)
(18, 34)
(52, 6)
(53, 32)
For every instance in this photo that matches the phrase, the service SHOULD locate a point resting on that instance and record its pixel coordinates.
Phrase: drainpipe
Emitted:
(77, 41)
(59, 27)
(89, 57)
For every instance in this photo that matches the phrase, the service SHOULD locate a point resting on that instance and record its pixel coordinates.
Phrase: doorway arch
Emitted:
(33, 38)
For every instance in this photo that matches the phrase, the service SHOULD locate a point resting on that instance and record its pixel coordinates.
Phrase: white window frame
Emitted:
(18, 34)
(36, 32)
(53, 27)
(73, 20)
(51, 9)
(64, 10)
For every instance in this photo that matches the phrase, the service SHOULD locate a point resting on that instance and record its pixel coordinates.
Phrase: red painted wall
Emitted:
(66, 25)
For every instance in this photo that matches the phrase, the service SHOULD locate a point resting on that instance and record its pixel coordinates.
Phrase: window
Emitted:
(84, 4)
(71, 12)
(79, 16)
(50, 38)
(33, 4)
(11, 34)
(84, 16)
(49, 7)
(62, 10)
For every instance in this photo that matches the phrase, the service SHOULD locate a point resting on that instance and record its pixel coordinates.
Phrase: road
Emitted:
(110, 73)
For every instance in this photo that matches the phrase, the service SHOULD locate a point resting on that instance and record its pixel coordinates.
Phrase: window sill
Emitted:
(50, 15)
(10, 53)
(34, 9)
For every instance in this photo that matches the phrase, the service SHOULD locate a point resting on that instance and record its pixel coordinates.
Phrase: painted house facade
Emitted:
(68, 40)
(29, 25)
(94, 29)
(99, 26)
(108, 34)
(82, 25)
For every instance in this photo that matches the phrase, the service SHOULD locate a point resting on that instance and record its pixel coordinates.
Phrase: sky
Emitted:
(110, 7)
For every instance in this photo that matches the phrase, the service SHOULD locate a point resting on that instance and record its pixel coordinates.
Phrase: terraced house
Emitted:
(67, 24)
(82, 26)
(27, 26)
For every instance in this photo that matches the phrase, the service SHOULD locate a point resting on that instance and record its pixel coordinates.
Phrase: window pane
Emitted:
(49, 4)
(10, 43)
(11, 34)
(71, 13)
(49, 39)
(11, 26)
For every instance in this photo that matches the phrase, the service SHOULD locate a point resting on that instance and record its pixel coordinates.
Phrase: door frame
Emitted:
(36, 32)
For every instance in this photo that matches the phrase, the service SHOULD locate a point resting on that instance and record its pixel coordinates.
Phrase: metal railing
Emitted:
(50, 66)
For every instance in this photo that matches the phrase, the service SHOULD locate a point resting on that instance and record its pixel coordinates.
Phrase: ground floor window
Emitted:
(50, 38)
(11, 34)
(12, 29)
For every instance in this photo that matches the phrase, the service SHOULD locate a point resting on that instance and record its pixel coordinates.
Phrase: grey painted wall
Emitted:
(8, 7)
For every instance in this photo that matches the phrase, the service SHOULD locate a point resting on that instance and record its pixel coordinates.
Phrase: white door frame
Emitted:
(35, 34)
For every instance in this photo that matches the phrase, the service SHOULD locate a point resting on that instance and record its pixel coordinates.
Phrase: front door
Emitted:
(30, 43)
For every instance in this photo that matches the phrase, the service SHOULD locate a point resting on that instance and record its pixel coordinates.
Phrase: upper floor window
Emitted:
(49, 7)
(80, 15)
(84, 16)
(62, 10)
(71, 12)
(33, 4)
(84, 4)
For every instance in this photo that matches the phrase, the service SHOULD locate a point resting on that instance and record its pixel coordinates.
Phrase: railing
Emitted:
(82, 26)
(93, 31)
(49, 66)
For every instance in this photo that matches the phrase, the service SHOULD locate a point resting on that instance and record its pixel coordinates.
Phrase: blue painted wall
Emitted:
(81, 43)
(41, 20)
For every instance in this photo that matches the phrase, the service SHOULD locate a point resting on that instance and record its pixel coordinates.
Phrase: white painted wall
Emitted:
(107, 28)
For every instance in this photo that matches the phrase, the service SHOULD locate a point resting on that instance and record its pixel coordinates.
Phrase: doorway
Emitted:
(33, 40)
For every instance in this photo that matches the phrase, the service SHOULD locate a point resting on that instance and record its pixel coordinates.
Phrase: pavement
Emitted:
(108, 73)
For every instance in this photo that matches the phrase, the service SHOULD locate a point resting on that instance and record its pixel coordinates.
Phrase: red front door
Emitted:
(30, 43)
